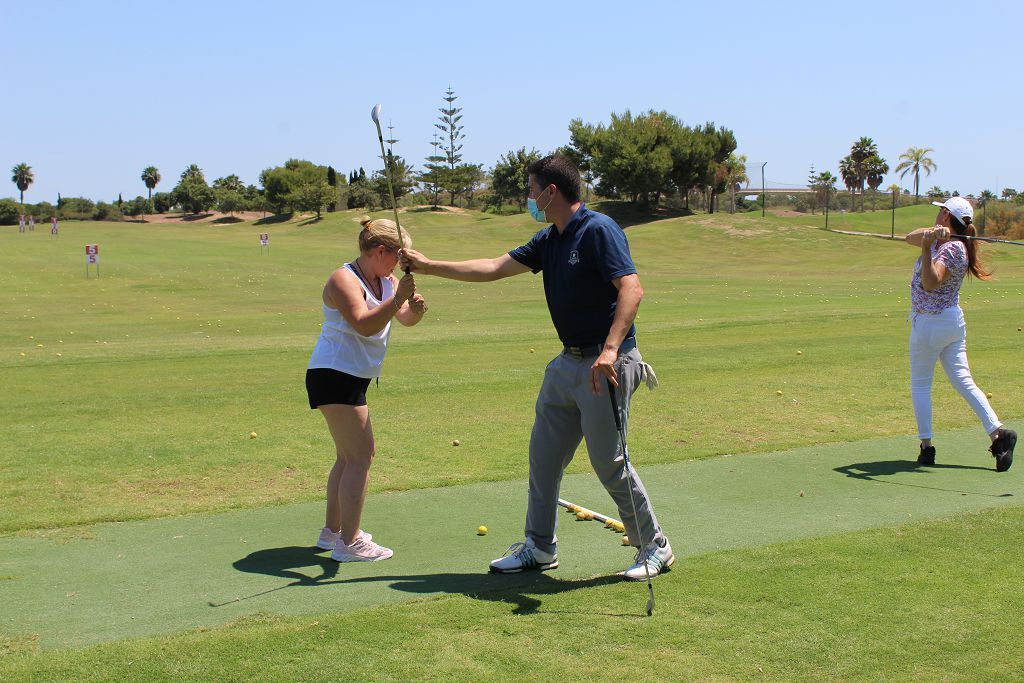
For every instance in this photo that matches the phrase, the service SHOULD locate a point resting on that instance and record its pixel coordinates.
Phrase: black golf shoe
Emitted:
(1002, 448)
(926, 456)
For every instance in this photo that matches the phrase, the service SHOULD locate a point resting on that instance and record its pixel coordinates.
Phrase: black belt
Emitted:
(628, 344)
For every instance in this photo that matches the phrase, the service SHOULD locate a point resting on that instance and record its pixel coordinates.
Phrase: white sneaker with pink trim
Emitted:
(361, 550)
(328, 539)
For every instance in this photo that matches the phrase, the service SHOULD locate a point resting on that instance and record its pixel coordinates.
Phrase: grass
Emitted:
(192, 339)
(891, 603)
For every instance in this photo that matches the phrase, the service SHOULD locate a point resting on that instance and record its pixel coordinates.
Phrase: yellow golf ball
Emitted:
(252, 435)
(625, 540)
(481, 531)
(581, 515)
(778, 392)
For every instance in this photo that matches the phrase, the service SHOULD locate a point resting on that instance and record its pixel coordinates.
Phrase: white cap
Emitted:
(959, 207)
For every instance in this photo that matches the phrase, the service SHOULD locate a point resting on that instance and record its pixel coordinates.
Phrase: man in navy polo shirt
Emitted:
(593, 293)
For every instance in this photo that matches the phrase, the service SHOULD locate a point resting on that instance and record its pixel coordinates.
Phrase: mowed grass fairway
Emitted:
(191, 339)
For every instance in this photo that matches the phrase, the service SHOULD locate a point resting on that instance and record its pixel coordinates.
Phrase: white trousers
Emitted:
(943, 337)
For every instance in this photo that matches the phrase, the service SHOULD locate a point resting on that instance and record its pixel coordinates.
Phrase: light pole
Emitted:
(893, 235)
(764, 194)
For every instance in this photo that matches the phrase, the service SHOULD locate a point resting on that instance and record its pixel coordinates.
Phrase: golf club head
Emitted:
(650, 601)
(375, 114)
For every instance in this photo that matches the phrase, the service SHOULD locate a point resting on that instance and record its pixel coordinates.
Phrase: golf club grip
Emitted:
(615, 405)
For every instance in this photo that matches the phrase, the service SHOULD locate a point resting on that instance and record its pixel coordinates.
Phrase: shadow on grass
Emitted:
(627, 214)
(309, 221)
(228, 220)
(274, 218)
(869, 471)
(522, 590)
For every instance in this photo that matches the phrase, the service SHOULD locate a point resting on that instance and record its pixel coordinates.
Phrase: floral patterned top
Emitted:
(953, 255)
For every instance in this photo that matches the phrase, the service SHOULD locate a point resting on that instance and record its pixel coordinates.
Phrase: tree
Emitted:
(136, 207)
(402, 180)
(632, 156)
(21, 175)
(1009, 194)
(433, 172)
(812, 178)
(453, 180)
(860, 151)
(848, 174)
(915, 160)
(361, 193)
(151, 177)
(192, 193)
(824, 185)
(875, 168)
(163, 202)
(935, 192)
(509, 180)
(735, 174)
(229, 200)
(231, 182)
(279, 183)
(312, 195)
(193, 172)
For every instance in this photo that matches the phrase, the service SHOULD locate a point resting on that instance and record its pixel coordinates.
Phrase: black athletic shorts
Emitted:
(325, 386)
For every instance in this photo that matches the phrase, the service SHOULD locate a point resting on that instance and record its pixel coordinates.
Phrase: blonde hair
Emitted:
(381, 232)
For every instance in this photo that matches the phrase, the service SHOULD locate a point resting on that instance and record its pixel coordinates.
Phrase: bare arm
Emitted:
(932, 274)
(344, 294)
(475, 270)
(626, 307)
(412, 310)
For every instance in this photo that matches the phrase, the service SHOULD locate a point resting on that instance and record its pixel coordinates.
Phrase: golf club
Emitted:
(632, 501)
(375, 115)
(992, 240)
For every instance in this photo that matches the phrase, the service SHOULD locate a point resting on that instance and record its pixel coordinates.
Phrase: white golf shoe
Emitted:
(657, 559)
(361, 550)
(524, 556)
(328, 539)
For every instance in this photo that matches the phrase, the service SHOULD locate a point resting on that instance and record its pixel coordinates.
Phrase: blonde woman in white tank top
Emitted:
(359, 301)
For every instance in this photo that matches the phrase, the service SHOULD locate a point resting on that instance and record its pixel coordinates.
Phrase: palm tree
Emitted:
(21, 175)
(876, 167)
(848, 172)
(916, 160)
(735, 173)
(150, 176)
(860, 151)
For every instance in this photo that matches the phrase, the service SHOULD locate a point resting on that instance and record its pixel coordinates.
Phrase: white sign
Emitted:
(53, 225)
(21, 223)
(31, 223)
(264, 239)
(92, 253)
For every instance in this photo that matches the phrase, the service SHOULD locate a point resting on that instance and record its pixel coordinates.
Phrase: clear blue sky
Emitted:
(96, 91)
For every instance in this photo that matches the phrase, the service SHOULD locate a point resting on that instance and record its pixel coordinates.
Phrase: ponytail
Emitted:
(964, 229)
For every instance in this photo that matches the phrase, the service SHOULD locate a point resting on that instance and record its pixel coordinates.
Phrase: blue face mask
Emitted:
(537, 213)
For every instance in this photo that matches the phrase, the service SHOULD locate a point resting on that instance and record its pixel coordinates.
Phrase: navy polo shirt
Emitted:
(579, 266)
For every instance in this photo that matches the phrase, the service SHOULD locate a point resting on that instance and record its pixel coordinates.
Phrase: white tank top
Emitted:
(341, 348)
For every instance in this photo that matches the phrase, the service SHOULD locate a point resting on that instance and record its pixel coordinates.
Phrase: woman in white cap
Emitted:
(938, 331)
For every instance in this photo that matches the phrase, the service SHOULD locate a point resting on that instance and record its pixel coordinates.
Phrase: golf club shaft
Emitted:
(387, 176)
(632, 500)
(992, 240)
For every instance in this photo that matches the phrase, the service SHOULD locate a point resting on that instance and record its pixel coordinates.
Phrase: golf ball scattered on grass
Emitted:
(456, 442)
(778, 392)
(625, 540)
(252, 435)
(481, 530)
(988, 394)
(581, 515)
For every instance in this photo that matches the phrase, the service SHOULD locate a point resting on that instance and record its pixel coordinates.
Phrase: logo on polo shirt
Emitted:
(574, 257)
